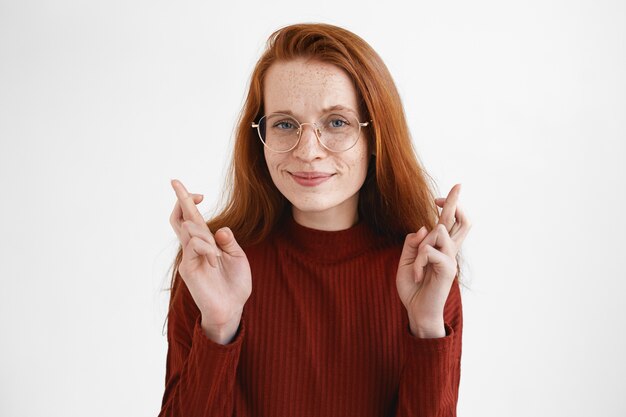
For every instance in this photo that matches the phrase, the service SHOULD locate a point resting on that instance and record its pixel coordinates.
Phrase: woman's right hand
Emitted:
(214, 268)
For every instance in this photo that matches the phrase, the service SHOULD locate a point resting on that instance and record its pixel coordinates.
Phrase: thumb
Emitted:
(226, 241)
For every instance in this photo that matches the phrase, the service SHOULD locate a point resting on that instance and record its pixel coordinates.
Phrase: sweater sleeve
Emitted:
(200, 374)
(429, 383)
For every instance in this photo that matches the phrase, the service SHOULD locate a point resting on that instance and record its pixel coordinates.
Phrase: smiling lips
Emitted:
(310, 179)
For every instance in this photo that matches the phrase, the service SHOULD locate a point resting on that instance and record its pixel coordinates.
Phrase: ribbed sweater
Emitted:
(324, 333)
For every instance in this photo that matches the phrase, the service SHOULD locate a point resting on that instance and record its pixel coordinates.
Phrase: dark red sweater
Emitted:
(324, 333)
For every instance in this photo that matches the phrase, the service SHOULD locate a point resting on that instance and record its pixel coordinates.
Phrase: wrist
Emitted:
(430, 329)
(222, 334)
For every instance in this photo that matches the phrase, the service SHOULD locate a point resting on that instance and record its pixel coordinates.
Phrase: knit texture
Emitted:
(324, 333)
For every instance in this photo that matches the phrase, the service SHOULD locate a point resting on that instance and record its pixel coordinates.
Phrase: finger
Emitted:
(189, 229)
(176, 217)
(440, 239)
(200, 247)
(227, 242)
(461, 227)
(188, 207)
(428, 255)
(449, 207)
(202, 232)
(459, 217)
(410, 248)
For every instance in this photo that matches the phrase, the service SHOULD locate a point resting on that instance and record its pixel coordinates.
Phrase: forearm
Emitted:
(429, 383)
(200, 380)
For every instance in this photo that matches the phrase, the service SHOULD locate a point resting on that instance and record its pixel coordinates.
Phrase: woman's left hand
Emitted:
(428, 267)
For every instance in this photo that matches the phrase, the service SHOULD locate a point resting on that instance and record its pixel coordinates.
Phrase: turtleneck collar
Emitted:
(328, 246)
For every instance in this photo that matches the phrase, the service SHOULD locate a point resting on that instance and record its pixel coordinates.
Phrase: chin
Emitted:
(309, 206)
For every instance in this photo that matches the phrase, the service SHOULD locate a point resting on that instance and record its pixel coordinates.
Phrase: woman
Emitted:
(328, 284)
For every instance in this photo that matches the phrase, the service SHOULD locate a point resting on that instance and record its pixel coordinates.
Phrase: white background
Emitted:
(102, 103)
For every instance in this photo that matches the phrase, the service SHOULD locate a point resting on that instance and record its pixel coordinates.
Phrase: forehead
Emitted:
(305, 88)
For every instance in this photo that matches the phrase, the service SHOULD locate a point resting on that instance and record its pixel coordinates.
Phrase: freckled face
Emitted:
(315, 180)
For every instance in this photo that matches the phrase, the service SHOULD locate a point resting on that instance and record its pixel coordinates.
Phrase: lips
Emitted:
(310, 174)
(310, 178)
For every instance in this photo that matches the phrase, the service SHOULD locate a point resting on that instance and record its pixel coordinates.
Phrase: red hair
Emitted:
(397, 196)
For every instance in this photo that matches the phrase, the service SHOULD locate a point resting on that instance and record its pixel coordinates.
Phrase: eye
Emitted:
(337, 123)
(284, 125)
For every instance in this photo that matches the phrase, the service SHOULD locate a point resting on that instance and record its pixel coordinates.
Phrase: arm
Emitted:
(429, 383)
(205, 328)
(429, 289)
(200, 373)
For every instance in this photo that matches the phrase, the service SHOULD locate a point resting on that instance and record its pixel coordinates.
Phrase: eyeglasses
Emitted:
(336, 132)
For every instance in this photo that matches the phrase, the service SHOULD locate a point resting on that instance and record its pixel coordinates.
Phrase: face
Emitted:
(321, 185)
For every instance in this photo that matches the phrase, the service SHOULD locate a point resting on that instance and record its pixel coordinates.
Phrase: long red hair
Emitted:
(397, 197)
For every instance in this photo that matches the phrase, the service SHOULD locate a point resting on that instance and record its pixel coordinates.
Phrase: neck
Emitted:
(338, 218)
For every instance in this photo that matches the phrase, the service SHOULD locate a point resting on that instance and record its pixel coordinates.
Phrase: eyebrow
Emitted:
(325, 110)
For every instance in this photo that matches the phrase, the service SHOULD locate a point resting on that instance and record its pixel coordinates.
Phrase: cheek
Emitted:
(358, 164)
(269, 161)
(273, 162)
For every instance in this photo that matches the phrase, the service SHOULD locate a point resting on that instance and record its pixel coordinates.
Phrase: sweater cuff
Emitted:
(428, 385)
(204, 343)
(438, 344)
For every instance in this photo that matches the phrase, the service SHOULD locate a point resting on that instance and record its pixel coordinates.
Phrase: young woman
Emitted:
(328, 285)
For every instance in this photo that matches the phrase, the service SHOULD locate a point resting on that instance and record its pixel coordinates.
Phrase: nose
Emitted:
(309, 148)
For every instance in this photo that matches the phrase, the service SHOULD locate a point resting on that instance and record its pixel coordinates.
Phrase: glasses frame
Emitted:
(316, 129)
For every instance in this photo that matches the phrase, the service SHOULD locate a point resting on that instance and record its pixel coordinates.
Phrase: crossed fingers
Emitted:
(188, 223)
(453, 217)
(441, 245)
(453, 225)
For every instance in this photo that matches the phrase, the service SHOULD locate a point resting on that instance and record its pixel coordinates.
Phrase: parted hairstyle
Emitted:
(397, 196)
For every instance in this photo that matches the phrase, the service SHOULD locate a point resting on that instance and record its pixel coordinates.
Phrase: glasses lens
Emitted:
(339, 132)
(279, 132)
